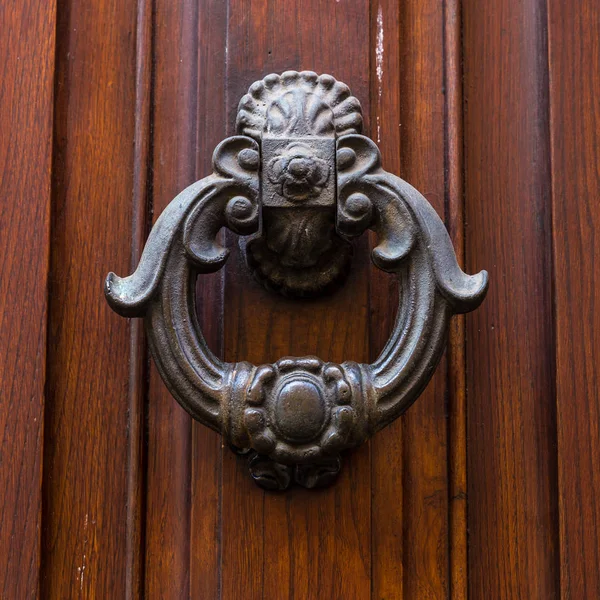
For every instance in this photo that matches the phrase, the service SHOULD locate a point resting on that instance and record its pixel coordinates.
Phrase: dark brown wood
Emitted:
(138, 357)
(387, 461)
(86, 448)
(184, 474)
(112, 492)
(425, 483)
(27, 47)
(513, 513)
(205, 528)
(410, 488)
(575, 136)
(456, 392)
(168, 501)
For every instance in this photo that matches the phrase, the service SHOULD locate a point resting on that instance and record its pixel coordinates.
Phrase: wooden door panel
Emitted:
(420, 140)
(207, 450)
(387, 474)
(575, 138)
(173, 130)
(484, 489)
(86, 442)
(27, 49)
(513, 515)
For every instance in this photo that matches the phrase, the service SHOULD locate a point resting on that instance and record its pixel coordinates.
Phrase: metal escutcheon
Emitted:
(300, 181)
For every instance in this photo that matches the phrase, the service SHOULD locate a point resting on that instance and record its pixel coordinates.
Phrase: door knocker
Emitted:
(299, 180)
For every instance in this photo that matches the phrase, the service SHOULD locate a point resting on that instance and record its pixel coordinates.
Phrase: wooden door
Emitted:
(487, 488)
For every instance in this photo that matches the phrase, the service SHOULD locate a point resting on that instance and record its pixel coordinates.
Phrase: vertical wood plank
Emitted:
(84, 545)
(184, 475)
(138, 352)
(169, 426)
(424, 440)
(387, 472)
(457, 407)
(291, 545)
(27, 49)
(574, 53)
(205, 555)
(511, 411)
(410, 457)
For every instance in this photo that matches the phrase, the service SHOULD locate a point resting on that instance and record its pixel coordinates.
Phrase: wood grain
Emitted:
(512, 482)
(138, 351)
(278, 546)
(205, 534)
(169, 426)
(412, 466)
(387, 462)
(456, 382)
(574, 54)
(110, 491)
(27, 47)
(86, 448)
(425, 481)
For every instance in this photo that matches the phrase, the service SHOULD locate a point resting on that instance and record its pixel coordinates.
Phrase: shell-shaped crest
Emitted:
(298, 104)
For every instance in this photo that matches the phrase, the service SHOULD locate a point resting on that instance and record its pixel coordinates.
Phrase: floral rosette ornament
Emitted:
(299, 173)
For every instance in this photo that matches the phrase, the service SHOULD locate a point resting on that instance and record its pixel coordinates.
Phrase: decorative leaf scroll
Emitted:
(369, 197)
(303, 104)
(294, 417)
(228, 197)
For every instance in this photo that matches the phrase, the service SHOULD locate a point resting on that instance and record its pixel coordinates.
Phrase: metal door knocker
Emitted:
(300, 181)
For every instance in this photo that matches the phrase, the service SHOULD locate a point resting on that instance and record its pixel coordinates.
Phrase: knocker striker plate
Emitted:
(299, 181)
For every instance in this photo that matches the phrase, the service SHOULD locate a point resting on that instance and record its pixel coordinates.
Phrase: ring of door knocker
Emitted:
(300, 180)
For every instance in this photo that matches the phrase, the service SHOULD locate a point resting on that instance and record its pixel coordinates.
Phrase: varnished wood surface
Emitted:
(132, 499)
(86, 447)
(168, 502)
(388, 494)
(184, 459)
(27, 46)
(458, 584)
(512, 471)
(211, 128)
(574, 54)
(424, 434)
(138, 352)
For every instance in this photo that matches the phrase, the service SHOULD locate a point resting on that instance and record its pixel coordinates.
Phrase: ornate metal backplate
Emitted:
(300, 181)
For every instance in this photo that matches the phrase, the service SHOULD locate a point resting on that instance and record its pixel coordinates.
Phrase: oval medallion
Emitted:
(300, 410)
